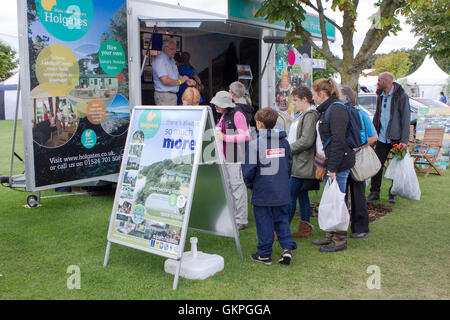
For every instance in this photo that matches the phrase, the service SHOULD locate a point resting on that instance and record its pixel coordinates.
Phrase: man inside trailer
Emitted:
(166, 77)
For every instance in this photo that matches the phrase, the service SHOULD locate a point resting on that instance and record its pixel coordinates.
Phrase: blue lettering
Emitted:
(169, 143)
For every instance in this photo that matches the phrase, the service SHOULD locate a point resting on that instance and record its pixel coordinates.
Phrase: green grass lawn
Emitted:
(411, 246)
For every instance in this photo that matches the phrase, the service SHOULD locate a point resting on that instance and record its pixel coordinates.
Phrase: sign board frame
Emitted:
(206, 120)
(41, 161)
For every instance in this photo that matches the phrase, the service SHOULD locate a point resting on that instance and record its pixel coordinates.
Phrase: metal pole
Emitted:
(177, 275)
(14, 133)
(238, 245)
(265, 64)
(108, 247)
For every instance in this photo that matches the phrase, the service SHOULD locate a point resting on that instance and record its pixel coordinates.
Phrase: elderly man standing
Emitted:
(391, 120)
(166, 77)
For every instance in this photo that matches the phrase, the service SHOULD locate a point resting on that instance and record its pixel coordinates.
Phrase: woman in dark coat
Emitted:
(340, 158)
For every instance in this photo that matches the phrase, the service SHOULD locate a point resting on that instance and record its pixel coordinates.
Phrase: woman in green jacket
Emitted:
(302, 141)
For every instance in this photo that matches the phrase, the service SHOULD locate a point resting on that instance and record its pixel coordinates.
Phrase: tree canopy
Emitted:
(384, 22)
(8, 61)
(327, 73)
(431, 23)
(397, 63)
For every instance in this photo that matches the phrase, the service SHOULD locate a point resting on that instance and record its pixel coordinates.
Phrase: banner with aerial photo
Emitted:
(79, 111)
(149, 209)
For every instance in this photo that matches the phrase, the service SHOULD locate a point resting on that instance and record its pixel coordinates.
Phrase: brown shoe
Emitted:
(338, 242)
(304, 230)
(332, 247)
(340, 239)
(325, 240)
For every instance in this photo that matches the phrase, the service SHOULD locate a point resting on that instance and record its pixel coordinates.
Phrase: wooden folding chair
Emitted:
(428, 150)
(412, 141)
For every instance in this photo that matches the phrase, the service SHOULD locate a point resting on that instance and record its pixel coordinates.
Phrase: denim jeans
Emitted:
(341, 178)
(303, 200)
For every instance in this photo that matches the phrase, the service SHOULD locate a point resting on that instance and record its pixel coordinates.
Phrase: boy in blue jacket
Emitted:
(266, 171)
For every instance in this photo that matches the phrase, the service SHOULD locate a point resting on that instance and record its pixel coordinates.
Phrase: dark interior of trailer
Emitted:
(214, 55)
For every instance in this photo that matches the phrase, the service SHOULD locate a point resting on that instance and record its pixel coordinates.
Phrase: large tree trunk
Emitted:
(351, 79)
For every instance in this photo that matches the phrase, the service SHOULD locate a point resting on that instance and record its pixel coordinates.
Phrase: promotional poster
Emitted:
(293, 68)
(78, 109)
(155, 181)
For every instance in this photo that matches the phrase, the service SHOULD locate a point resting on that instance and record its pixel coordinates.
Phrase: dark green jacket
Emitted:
(303, 149)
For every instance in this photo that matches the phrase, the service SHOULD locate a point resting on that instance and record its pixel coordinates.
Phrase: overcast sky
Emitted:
(404, 39)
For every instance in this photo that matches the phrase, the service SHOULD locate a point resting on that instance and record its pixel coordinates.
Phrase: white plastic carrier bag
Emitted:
(404, 179)
(333, 212)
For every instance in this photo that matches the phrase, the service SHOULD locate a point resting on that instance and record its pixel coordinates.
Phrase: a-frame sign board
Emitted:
(171, 167)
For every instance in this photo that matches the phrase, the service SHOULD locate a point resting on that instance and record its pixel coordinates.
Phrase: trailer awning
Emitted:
(222, 26)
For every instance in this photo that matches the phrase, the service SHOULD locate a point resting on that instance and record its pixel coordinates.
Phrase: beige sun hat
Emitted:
(223, 100)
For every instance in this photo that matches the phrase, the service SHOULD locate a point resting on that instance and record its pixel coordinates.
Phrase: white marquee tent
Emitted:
(368, 81)
(429, 78)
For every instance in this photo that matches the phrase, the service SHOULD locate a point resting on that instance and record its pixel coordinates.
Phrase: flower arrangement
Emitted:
(399, 151)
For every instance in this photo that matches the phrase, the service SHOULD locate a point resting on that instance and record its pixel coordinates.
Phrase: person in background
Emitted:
(359, 214)
(186, 69)
(59, 121)
(442, 97)
(45, 112)
(237, 90)
(266, 171)
(191, 97)
(166, 77)
(52, 121)
(232, 132)
(391, 120)
(340, 157)
(302, 139)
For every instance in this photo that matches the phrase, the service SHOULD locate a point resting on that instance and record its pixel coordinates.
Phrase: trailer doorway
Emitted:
(216, 48)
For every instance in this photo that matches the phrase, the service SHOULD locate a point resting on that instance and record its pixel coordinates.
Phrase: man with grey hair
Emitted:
(166, 77)
(237, 91)
(391, 120)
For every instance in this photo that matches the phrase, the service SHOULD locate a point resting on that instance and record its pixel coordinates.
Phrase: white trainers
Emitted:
(262, 259)
(286, 257)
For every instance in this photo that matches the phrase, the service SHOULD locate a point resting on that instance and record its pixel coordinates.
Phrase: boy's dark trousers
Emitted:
(269, 220)
(359, 213)
(382, 150)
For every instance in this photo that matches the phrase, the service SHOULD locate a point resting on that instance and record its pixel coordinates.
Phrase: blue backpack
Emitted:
(355, 129)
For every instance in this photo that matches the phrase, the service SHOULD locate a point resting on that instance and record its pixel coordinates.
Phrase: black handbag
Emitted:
(310, 184)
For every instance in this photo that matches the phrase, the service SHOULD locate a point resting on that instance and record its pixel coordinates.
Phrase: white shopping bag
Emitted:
(404, 179)
(333, 212)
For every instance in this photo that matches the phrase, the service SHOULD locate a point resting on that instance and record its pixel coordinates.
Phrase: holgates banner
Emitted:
(155, 182)
(75, 91)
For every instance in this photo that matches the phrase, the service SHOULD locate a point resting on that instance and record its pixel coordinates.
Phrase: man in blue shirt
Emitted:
(166, 77)
(391, 120)
(359, 213)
